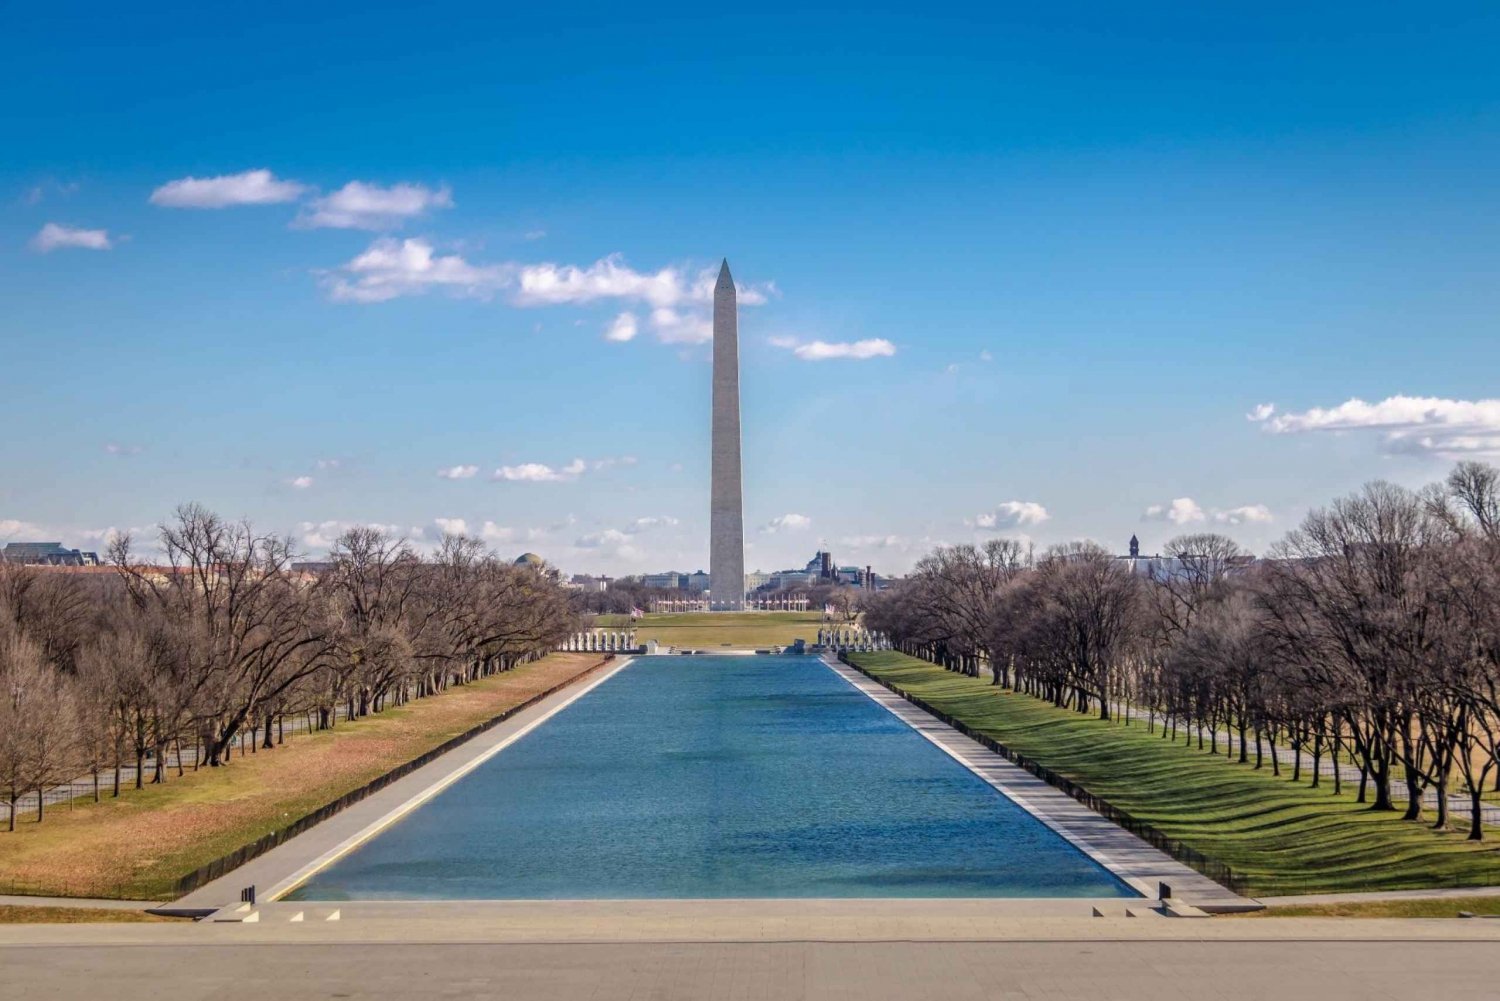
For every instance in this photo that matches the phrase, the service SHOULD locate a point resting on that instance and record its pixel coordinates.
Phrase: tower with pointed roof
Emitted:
(726, 516)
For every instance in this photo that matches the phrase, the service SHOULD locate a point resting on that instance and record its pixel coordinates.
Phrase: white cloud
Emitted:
(1181, 511)
(787, 523)
(1186, 511)
(1261, 411)
(608, 278)
(452, 526)
(875, 347)
(534, 234)
(1248, 514)
(986, 356)
(612, 461)
(609, 537)
(622, 328)
(458, 472)
(675, 327)
(55, 236)
(491, 532)
(253, 187)
(116, 448)
(358, 205)
(321, 535)
(329, 463)
(1424, 425)
(611, 544)
(677, 303)
(12, 528)
(536, 472)
(391, 268)
(1011, 514)
(300, 482)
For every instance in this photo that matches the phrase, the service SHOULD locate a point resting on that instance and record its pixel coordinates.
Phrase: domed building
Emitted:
(530, 560)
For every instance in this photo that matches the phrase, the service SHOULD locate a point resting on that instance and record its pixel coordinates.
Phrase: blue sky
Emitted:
(1061, 255)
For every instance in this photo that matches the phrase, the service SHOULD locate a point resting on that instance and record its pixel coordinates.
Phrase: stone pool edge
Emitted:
(291, 864)
(1122, 854)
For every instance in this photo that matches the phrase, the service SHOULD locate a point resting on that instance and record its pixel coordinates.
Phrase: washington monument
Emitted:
(726, 521)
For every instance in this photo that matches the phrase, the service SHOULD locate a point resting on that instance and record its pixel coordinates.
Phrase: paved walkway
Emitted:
(288, 865)
(1119, 851)
(1386, 963)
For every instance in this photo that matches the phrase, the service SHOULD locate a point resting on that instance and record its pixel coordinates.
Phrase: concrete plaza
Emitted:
(686, 951)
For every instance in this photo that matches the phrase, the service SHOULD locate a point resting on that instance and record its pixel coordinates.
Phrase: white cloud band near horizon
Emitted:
(1186, 511)
(1420, 425)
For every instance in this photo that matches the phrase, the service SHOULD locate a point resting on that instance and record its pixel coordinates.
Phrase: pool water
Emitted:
(697, 777)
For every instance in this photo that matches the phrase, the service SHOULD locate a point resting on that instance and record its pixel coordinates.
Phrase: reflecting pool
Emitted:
(696, 777)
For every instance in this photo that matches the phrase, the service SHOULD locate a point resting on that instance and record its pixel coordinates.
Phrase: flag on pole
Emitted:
(636, 613)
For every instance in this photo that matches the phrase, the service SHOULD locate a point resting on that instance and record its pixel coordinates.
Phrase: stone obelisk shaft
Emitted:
(726, 523)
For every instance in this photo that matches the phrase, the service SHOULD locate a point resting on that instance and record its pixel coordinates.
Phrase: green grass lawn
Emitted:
(710, 630)
(1282, 837)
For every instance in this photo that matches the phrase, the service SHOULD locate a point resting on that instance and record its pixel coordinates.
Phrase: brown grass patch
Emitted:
(25, 914)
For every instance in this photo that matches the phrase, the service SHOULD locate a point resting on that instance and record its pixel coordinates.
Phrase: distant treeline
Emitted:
(145, 664)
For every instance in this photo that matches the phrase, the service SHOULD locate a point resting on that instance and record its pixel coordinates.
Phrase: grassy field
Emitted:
(136, 847)
(26, 915)
(709, 630)
(1282, 837)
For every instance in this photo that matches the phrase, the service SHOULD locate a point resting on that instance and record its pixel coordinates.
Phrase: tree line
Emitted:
(1370, 634)
(223, 640)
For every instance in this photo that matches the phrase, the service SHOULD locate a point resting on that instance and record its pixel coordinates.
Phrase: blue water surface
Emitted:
(696, 777)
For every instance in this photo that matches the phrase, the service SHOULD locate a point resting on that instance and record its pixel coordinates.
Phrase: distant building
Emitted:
(670, 580)
(584, 582)
(530, 560)
(697, 581)
(47, 554)
(1163, 568)
(756, 580)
